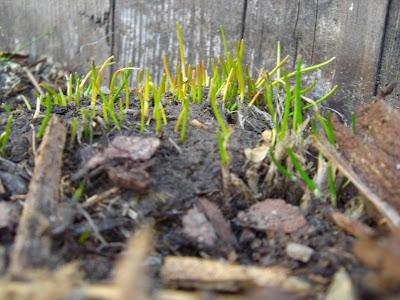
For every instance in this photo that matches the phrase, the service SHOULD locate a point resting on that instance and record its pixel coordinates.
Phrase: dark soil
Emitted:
(181, 173)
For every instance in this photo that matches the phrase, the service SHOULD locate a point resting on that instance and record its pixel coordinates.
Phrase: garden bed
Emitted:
(184, 202)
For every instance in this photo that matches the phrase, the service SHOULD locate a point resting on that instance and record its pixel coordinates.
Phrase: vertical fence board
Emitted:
(75, 32)
(319, 29)
(390, 67)
(145, 30)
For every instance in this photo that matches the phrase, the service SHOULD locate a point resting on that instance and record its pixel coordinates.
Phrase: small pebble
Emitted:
(247, 236)
(299, 252)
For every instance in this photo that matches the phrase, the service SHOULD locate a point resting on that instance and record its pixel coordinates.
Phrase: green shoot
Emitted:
(69, 88)
(222, 144)
(97, 80)
(168, 73)
(77, 90)
(185, 119)
(182, 119)
(79, 192)
(5, 136)
(121, 111)
(113, 96)
(332, 187)
(46, 118)
(303, 174)
(146, 93)
(63, 100)
(327, 127)
(26, 101)
(322, 99)
(73, 132)
(278, 60)
(181, 50)
(281, 168)
(353, 123)
(127, 92)
(240, 79)
(286, 112)
(297, 111)
(87, 125)
(157, 104)
(213, 102)
(293, 74)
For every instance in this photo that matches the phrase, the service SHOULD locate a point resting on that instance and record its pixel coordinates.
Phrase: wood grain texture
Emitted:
(77, 30)
(145, 30)
(390, 64)
(351, 30)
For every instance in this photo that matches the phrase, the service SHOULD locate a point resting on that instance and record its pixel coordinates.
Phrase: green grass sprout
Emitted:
(4, 137)
(332, 186)
(297, 110)
(353, 123)
(181, 50)
(26, 102)
(303, 174)
(73, 132)
(46, 118)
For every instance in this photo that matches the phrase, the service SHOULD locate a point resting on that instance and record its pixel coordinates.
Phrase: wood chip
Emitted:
(273, 215)
(198, 124)
(131, 279)
(40, 213)
(341, 287)
(192, 272)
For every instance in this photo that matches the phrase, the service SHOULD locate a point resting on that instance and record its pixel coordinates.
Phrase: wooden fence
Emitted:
(364, 35)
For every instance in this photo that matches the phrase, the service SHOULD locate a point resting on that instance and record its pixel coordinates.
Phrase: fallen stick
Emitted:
(32, 243)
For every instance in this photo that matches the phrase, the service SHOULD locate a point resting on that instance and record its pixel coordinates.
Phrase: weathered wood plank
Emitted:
(390, 65)
(145, 30)
(77, 31)
(351, 30)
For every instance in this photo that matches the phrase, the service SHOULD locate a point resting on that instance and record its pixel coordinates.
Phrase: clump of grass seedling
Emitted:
(106, 107)
(4, 137)
(139, 92)
(125, 79)
(96, 80)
